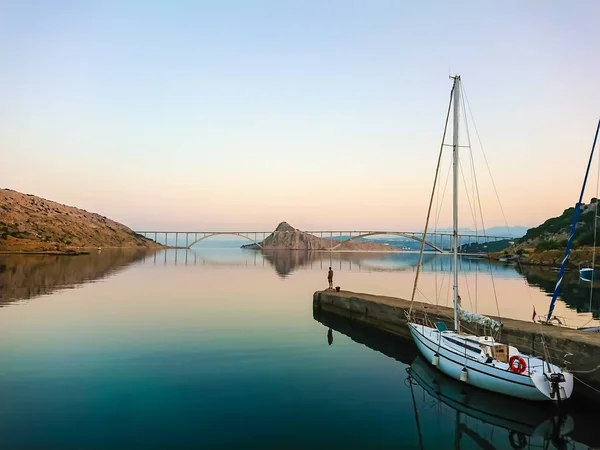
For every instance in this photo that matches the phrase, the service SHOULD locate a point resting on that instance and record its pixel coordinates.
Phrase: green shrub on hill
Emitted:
(551, 234)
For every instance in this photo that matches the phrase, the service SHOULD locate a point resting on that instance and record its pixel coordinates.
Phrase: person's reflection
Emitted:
(330, 336)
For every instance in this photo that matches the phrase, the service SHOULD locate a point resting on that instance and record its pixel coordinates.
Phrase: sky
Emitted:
(237, 115)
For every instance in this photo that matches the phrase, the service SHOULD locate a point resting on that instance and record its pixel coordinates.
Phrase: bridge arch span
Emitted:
(225, 233)
(393, 233)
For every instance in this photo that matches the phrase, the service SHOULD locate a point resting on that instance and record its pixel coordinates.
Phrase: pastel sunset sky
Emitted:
(234, 114)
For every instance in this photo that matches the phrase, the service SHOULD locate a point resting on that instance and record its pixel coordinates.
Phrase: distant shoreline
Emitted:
(429, 252)
(71, 252)
(44, 252)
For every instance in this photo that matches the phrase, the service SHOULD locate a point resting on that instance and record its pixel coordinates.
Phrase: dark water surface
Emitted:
(221, 349)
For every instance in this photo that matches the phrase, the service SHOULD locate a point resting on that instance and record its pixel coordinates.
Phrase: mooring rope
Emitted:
(585, 384)
(586, 371)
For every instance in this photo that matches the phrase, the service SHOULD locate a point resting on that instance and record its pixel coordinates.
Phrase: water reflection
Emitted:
(398, 347)
(27, 276)
(575, 291)
(468, 415)
(483, 418)
(285, 262)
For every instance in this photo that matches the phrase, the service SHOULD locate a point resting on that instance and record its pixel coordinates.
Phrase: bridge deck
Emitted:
(436, 240)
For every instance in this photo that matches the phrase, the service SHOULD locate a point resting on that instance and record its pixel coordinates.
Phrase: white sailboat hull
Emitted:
(496, 377)
(519, 416)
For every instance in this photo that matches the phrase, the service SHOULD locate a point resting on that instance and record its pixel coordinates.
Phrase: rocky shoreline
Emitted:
(41, 252)
(549, 258)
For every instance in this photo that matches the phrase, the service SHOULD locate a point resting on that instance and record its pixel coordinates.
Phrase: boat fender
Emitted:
(517, 440)
(463, 374)
(435, 360)
(517, 364)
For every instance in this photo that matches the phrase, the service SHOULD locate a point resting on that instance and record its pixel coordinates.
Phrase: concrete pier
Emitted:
(579, 350)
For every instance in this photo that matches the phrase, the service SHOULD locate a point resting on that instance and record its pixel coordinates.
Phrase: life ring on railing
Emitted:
(517, 364)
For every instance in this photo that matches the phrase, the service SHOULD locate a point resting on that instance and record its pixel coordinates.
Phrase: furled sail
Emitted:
(478, 319)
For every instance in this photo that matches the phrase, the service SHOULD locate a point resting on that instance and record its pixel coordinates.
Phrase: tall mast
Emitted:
(563, 265)
(455, 196)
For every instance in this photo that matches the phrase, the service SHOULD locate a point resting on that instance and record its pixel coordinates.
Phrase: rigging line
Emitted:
(435, 279)
(581, 326)
(438, 290)
(437, 205)
(501, 209)
(472, 163)
(473, 184)
(500, 205)
(471, 207)
(424, 296)
(594, 247)
(486, 161)
(440, 200)
(444, 278)
(484, 234)
(448, 292)
(437, 169)
(439, 209)
(435, 226)
(467, 286)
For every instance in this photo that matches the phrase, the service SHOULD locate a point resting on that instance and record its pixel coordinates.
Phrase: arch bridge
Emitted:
(437, 241)
(246, 236)
(391, 233)
(191, 238)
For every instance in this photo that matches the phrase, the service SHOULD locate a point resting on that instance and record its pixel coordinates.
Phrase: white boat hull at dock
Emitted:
(494, 376)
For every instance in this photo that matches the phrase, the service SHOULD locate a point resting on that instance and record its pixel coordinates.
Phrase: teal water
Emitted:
(221, 349)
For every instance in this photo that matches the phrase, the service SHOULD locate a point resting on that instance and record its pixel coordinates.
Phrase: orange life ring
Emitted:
(517, 364)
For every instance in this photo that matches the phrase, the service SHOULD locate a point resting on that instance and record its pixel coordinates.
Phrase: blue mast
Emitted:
(572, 233)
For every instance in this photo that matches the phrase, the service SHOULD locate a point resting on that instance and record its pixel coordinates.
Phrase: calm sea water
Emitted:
(220, 348)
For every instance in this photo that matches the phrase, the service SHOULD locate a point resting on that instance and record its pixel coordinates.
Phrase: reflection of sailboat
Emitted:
(547, 319)
(480, 361)
(478, 410)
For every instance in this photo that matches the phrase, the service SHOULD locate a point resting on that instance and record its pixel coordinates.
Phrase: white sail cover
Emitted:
(478, 319)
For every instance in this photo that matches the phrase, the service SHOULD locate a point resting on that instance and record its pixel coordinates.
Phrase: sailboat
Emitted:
(584, 272)
(480, 361)
(587, 274)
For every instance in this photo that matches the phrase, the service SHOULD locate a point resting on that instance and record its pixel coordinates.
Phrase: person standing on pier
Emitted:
(330, 278)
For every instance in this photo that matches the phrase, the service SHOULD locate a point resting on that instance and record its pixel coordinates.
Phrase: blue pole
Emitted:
(572, 233)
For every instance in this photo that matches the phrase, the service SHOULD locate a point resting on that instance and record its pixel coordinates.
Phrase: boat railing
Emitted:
(534, 362)
(419, 317)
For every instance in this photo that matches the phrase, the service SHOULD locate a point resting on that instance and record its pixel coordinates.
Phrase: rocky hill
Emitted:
(545, 244)
(286, 237)
(553, 233)
(30, 223)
